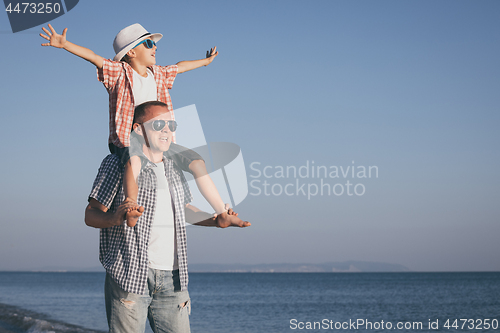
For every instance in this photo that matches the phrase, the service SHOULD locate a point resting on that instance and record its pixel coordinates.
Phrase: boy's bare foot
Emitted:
(225, 220)
(133, 215)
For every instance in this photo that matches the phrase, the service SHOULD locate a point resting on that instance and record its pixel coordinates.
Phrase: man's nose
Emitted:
(166, 129)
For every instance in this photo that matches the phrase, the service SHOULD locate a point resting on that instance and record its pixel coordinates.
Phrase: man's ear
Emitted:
(137, 129)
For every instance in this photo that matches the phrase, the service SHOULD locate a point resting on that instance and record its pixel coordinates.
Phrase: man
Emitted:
(146, 265)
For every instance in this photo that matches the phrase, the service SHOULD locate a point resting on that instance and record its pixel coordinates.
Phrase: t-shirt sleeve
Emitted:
(109, 73)
(169, 72)
(108, 181)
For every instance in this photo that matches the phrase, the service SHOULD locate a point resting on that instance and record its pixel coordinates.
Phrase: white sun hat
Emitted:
(129, 37)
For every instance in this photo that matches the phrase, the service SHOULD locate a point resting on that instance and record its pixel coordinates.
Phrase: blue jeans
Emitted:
(165, 305)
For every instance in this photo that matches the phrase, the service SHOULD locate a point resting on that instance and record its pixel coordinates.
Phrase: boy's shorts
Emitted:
(181, 155)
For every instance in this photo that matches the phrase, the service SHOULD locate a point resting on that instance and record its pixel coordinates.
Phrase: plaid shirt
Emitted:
(117, 77)
(123, 251)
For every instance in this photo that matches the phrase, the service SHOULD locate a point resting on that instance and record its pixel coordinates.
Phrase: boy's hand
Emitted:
(184, 66)
(212, 54)
(60, 42)
(54, 38)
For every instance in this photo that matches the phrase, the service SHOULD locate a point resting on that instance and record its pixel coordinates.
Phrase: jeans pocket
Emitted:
(186, 306)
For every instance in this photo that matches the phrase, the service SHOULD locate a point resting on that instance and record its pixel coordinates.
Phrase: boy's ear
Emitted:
(131, 53)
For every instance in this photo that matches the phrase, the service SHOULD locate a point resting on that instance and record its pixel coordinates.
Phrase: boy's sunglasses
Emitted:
(148, 43)
(159, 124)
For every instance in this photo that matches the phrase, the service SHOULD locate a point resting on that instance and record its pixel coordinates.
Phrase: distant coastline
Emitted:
(328, 267)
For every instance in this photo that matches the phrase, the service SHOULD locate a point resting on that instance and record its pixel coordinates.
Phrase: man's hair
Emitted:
(141, 109)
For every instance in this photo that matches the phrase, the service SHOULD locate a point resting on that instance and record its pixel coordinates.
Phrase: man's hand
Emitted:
(98, 216)
(226, 209)
(222, 220)
(127, 206)
(212, 54)
(230, 219)
(54, 38)
(118, 217)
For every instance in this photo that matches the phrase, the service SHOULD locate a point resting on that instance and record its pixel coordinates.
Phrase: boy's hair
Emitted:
(140, 110)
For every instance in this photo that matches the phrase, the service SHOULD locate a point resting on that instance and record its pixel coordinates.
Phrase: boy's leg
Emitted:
(132, 165)
(130, 189)
(126, 312)
(206, 186)
(190, 161)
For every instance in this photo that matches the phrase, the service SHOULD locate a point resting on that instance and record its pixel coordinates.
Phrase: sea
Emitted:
(42, 302)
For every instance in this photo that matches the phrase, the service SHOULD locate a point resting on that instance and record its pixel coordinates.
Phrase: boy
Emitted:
(132, 78)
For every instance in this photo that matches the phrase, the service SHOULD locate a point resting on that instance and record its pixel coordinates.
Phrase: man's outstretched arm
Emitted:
(59, 41)
(224, 220)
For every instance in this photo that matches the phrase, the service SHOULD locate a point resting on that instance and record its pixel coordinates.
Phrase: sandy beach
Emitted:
(3, 330)
(14, 319)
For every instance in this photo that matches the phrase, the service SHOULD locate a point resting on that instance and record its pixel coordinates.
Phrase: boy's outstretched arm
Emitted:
(187, 65)
(59, 41)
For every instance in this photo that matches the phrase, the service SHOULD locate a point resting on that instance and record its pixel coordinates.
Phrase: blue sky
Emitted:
(410, 87)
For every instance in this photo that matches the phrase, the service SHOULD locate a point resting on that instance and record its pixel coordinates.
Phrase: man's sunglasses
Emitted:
(159, 124)
(148, 43)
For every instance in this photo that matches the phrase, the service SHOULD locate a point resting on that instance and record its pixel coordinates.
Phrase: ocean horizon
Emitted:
(339, 266)
(42, 302)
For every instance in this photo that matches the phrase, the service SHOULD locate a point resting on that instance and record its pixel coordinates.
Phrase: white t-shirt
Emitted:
(162, 249)
(144, 88)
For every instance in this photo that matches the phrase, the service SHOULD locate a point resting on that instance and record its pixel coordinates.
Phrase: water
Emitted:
(254, 302)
